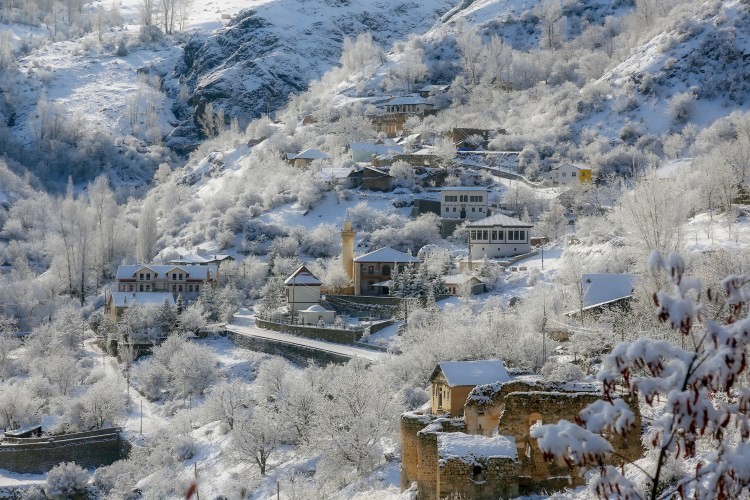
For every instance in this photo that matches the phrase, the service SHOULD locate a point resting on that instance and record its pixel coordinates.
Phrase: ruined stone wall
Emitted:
(88, 451)
(411, 424)
(523, 409)
(488, 479)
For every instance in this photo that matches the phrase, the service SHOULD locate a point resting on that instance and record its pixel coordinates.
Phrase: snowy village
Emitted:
(325, 249)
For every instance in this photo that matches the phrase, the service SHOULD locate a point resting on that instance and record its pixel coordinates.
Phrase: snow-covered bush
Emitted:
(323, 241)
(66, 481)
(681, 107)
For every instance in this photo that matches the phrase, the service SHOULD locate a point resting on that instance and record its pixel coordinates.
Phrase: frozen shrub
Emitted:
(66, 480)
(323, 241)
(680, 107)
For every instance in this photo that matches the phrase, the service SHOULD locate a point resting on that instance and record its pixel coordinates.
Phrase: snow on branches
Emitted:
(700, 412)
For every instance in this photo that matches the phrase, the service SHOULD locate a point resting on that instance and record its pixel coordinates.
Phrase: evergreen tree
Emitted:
(209, 303)
(166, 317)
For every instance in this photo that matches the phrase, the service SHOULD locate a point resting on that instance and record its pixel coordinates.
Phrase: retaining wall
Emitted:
(297, 354)
(87, 449)
(313, 332)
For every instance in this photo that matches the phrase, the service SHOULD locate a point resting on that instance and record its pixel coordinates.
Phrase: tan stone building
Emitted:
(489, 454)
(452, 381)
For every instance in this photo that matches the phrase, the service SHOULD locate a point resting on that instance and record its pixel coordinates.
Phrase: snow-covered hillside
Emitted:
(274, 49)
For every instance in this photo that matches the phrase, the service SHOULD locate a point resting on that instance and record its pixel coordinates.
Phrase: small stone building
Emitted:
(489, 454)
(316, 315)
(452, 381)
(457, 284)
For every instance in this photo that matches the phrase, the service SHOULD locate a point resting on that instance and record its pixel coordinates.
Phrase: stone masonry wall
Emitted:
(488, 479)
(311, 332)
(411, 424)
(43, 455)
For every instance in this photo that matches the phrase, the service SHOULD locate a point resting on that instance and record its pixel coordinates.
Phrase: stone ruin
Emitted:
(488, 453)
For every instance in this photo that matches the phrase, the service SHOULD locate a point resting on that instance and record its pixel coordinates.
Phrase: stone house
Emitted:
(375, 267)
(464, 203)
(306, 157)
(371, 178)
(364, 151)
(412, 105)
(185, 280)
(452, 381)
(498, 236)
(489, 454)
(469, 139)
(570, 174)
(456, 284)
(118, 302)
(302, 290)
(431, 90)
(390, 124)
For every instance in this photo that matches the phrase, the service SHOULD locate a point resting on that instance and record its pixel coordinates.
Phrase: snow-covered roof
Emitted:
(127, 299)
(335, 173)
(462, 188)
(605, 288)
(430, 88)
(302, 276)
(200, 259)
(499, 220)
(574, 165)
(459, 373)
(317, 308)
(469, 447)
(193, 271)
(459, 279)
(377, 149)
(310, 154)
(406, 100)
(387, 255)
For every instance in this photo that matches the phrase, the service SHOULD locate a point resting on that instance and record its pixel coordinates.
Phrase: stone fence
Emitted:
(39, 455)
(339, 336)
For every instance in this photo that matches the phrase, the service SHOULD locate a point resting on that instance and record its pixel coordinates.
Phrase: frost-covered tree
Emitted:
(699, 435)
(257, 435)
(229, 400)
(66, 480)
(103, 405)
(147, 232)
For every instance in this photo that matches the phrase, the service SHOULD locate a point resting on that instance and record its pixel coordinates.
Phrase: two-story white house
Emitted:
(464, 203)
(498, 236)
(186, 280)
(570, 173)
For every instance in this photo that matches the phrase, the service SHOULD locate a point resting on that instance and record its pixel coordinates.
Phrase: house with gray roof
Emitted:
(498, 236)
(185, 280)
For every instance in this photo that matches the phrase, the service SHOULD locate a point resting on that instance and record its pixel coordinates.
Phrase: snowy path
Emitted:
(138, 406)
(244, 324)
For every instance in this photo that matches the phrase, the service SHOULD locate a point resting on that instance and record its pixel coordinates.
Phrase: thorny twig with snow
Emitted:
(702, 401)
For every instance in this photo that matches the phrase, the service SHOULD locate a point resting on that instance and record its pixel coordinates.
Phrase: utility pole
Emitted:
(141, 431)
(544, 327)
